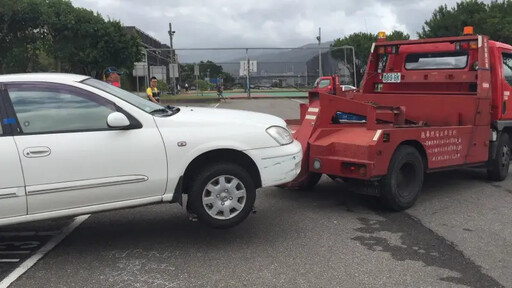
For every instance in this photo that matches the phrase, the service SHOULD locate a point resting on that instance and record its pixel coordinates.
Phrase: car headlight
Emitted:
(280, 134)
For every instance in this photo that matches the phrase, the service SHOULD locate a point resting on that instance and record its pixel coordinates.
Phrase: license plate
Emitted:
(391, 77)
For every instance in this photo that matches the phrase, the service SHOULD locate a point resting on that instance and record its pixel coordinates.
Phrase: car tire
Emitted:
(498, 167)
(222, 195)
(402, 184)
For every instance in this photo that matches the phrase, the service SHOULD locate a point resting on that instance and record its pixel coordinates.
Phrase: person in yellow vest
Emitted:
(152, 92)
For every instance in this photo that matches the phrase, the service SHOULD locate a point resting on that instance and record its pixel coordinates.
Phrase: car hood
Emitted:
(235, 117)
(243, 129)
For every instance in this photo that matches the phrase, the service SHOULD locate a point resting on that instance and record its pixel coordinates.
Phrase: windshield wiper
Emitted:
(169, 109)
(158, 111)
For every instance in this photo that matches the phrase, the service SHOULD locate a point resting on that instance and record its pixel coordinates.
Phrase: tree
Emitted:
(209, 68)
(22, 35)
(202, 86)
(449, 22)
(362, 43)
(187, 74)
(35, 32)
(491, 19)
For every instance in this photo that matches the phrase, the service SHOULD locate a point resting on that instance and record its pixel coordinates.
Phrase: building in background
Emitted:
(158, 57)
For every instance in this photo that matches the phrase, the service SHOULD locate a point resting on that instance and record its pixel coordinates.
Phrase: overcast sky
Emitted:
(264, 23)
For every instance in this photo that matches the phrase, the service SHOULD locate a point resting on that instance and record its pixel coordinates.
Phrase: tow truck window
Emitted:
(324, 83)
(434, 61)
(507, 67)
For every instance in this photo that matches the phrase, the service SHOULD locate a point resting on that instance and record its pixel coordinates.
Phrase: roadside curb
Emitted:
(214, 100)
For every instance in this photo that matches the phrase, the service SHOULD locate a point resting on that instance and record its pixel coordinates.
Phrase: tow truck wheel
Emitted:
(402, 185)
(222, 195)
(311, 180)
(498, 167)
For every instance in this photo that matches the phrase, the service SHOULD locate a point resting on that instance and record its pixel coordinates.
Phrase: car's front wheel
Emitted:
(222, 195)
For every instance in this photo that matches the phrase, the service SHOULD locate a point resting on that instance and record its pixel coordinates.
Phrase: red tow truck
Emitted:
(423, 105)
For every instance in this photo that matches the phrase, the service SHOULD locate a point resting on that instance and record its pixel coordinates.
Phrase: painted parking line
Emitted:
(12, 245)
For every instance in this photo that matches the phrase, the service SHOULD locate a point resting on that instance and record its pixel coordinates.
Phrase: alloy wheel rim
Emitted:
(224, 197)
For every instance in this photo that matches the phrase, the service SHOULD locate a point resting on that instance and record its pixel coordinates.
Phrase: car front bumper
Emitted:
(278, 165)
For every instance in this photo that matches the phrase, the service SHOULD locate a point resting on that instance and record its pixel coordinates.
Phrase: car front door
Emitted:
(13, 201)
(71, 158)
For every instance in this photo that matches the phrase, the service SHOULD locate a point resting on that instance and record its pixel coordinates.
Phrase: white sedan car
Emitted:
(72, 145)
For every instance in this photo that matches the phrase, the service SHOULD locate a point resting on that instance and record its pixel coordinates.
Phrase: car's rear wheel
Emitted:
(222, 195)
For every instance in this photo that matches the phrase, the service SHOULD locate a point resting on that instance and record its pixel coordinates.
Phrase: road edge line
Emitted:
(20, 270)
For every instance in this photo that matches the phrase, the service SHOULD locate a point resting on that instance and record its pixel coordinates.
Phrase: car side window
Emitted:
(507, 68)
(48, 108)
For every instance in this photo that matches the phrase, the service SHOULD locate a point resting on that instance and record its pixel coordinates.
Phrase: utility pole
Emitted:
(173, 83)
(208, 77)
(248, 70)
(319, 38)
(306, 74)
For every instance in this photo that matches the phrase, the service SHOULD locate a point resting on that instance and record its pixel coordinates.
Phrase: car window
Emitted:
(507, 67)
(137, 101)
(43, 109)
(324, 83)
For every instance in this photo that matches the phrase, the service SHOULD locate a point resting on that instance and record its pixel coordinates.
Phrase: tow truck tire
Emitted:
(402, 185)
(221, 195)
(311, 180)
(499, 166)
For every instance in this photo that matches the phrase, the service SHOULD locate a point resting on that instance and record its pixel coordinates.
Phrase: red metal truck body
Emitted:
(447, 98)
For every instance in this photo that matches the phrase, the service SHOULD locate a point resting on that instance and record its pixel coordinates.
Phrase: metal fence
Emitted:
(248, 69)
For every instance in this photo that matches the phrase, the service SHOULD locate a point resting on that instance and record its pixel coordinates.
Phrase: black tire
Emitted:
(228, 197)
(306, 184)
(402, 185)
(499, 166)
(311, 180)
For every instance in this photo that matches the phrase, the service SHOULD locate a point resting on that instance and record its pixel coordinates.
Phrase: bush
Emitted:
(162, 86)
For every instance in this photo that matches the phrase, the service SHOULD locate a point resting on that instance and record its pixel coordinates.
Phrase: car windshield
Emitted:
(131, 98)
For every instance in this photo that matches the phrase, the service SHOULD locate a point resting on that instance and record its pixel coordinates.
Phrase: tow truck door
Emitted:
(506, 84)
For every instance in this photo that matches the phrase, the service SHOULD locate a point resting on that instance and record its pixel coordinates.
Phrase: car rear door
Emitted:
(13, 200)
(71, 158)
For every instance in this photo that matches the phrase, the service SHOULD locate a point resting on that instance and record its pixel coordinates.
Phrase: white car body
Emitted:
(56, 174)
(347, 87)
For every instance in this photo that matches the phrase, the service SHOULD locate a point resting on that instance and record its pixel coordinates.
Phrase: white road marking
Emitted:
(217, 105)
(9, 260)
(313, 109)
(297, 101)
(311, 117)
(14, 252)
(39, 254)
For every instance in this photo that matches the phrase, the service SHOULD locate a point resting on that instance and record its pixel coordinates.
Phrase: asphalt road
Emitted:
(459, 234)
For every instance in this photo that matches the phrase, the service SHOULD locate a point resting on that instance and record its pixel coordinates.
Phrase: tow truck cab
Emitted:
(423, 105)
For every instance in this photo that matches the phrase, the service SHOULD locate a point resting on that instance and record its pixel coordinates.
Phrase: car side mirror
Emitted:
(117, 120)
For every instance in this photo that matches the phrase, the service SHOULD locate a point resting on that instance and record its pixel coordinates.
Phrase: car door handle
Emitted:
(35, 152)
